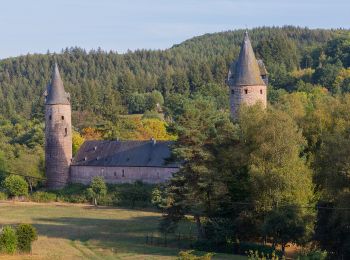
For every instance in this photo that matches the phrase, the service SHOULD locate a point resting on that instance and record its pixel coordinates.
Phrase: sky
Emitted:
(36, 26)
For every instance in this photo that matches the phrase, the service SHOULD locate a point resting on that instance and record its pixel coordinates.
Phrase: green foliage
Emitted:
(42, 196)
(8, 240)
(132, 195)
(312, 255)
(97, 189)
(3, 196)
(287, 224)
(189, 255)
(74, 193)
(26, 234)
(15, 186)
(256, 255)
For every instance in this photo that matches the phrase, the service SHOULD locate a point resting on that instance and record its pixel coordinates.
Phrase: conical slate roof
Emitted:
(247, 71)
(55, 91)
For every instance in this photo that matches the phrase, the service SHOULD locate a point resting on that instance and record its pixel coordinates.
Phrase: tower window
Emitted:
(65, 132)
(246, 91)
(232, 91)
(261, 91)
(50, 117)
(62, 117)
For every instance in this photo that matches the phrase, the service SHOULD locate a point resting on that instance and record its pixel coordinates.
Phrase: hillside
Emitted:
(103, 82)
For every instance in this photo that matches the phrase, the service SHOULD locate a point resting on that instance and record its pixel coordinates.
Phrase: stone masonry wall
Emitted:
(248, 95)
(115, 175)
(58, 145)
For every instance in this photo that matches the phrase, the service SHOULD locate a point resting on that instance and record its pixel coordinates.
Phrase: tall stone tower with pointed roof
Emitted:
(247, 79)
(58, 133)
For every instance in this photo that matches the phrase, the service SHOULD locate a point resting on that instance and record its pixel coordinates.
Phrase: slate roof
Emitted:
(124, 153)
(247, 70)
(55, 93)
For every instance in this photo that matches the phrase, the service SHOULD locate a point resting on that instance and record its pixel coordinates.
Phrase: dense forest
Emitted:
(280, 176)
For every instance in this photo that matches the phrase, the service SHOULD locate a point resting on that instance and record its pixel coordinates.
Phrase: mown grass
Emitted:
(70, 231)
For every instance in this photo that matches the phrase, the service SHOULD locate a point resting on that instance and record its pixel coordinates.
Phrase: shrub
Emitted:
(189, 255)
(15, 186)
(133, 195)
(255, 255)
(3, 196)
(8, 240)
(73, 193)
(312, 255)
(97, 189)
(42, 196)
(245, 247)
(26, 234)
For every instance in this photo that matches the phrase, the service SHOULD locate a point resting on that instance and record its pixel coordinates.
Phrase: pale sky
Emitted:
(35, 26)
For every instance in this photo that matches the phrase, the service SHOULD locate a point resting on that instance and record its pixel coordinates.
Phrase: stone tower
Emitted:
(58, 133)
(247, 79)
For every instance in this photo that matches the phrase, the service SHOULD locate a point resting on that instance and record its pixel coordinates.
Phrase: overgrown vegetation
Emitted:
(18, 239)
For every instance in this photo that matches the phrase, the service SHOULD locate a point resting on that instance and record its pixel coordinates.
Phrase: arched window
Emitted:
(246, 91)
(261, 91)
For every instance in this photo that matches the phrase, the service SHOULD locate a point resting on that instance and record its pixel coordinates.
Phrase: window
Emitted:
(50, 117)
(115, 174)
(65, 132)
(62, 117)
(261, 91)
(246, 91)
(123, 173)
(232, 91)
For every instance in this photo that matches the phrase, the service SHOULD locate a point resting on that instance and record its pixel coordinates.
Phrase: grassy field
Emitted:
(69, 231)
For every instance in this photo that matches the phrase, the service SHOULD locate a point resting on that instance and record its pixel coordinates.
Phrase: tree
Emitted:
(97, 189)
(286, 225)
(15, 186)
(197, 188)
(26, 234)
(8, 240)
(77, 141)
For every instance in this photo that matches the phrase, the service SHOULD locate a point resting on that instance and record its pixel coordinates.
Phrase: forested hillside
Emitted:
(105, 82)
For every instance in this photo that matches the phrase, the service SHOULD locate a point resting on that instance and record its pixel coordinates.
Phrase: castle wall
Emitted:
(58, 145)
(248, 95)
(116, 175)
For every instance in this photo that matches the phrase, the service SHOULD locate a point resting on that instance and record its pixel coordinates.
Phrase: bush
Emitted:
(15, 186)
(73, 193)
(3, 196)
(255, 255)
(133, 195)
(26, 234)
(312, 255)
(97, 190)
(42, 196)
(8, 240)
(189, 255)
(262, 249)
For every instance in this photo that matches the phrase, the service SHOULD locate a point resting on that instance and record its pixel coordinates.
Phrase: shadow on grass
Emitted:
(123, 236)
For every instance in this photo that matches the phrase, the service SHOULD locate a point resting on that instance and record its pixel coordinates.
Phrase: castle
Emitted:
(129, 161)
